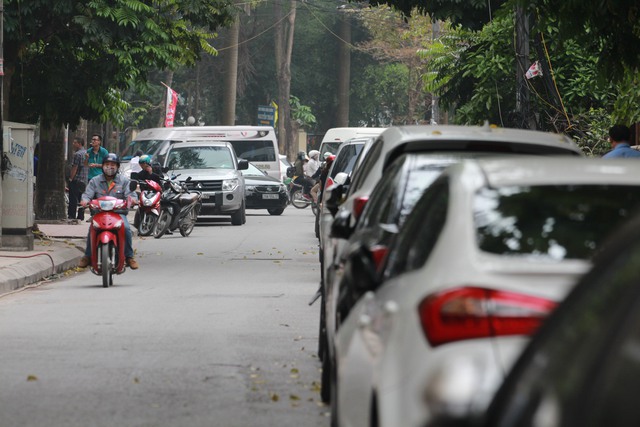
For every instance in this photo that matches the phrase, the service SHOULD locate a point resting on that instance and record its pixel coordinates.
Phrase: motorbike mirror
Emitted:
(188, 179)
(340, 228)
(133, 185)
(243, 164)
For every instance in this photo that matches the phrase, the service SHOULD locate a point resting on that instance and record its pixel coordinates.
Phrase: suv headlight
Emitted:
(229, 184)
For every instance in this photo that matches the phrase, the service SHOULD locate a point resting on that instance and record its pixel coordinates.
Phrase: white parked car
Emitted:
(436, 142)
(488, 251)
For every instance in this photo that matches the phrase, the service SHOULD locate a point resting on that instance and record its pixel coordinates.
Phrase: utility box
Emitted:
(17, 186)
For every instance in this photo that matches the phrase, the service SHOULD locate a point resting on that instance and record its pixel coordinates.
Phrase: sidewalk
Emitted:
(58, 247)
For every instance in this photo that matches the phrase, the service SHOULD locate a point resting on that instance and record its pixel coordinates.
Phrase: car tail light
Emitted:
(470, 312)
(328, 183)
(358, 206)
(379, 253)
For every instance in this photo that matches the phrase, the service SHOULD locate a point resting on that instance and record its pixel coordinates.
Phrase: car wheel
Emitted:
(237, 216)
(275, 211)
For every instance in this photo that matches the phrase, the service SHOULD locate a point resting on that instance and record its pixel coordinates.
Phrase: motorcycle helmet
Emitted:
(146, 159)
(302, 155)
(314, 154)
(109, 170)
(330, 159)
(327, 154)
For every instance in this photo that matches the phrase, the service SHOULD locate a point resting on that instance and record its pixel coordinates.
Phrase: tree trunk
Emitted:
(49, 197)
(283, 49)
(231, 75)
(344, 71)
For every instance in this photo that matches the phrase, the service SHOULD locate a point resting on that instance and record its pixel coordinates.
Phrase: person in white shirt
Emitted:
(313, 164)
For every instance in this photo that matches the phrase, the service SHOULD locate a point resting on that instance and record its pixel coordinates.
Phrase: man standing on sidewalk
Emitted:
(78, 179)
(96, 155)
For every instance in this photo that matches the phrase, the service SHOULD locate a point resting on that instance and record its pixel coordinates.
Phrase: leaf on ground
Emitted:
(199, 253)
(136, 380)
(274, 397)
(32, 378)
(294, 397)
(295, 371)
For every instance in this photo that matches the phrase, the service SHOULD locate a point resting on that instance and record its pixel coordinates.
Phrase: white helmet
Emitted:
(314, 154)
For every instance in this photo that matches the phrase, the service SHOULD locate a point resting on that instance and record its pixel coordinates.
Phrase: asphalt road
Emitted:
(212, 330)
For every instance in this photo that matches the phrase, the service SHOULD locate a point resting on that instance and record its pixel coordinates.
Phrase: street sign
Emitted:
(266, 115)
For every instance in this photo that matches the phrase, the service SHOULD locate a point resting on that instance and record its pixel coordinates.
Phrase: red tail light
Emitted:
(358, 206)
(379, 253)
(467, 313)
(329, 182)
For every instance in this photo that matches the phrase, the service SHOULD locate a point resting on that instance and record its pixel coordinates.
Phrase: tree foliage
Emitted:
(68, 59)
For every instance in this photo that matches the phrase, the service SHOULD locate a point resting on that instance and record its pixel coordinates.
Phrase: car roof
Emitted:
(552, 170)
(427, 138)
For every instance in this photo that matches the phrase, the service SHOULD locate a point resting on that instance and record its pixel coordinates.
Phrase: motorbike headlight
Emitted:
(118, 224)
(229, 184)
(95, 224)
(147, 202)
(107, 205)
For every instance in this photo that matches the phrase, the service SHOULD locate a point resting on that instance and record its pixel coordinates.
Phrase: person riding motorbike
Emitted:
(301, 179)
(147, 170)
(113, 184)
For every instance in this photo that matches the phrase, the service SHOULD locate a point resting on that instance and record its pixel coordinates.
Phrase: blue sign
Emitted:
(266, 115)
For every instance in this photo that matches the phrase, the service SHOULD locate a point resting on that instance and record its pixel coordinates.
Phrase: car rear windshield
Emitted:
(200, 158)
(557, 222)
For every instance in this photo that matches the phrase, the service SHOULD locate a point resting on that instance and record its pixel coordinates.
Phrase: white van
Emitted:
(257, 144)
(336, 136)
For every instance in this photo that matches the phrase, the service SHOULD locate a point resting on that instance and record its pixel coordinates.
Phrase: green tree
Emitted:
(70, 60)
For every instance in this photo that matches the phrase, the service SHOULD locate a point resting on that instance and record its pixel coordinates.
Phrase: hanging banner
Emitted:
(172, 103)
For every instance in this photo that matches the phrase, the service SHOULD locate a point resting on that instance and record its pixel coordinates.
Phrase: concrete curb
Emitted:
(20, 269)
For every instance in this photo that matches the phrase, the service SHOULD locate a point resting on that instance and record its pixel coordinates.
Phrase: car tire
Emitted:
(275, 211)
(238, 216)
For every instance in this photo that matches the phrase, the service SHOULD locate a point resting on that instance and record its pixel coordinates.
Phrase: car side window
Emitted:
(569, 374)
(421, 230)
(383, 198)
(367, 164)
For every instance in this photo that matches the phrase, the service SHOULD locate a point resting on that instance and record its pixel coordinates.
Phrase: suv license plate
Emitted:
(270, 196)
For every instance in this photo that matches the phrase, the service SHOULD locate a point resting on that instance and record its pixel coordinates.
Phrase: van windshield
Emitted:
(200, 158)
(255, 151)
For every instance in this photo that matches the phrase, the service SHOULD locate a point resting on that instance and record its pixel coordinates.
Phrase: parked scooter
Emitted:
(179, 208)
(148, 207)
(107, 237)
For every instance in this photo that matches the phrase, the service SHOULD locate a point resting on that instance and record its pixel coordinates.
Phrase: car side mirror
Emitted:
(334, 200)
(340, 228)
(363, 271)
(243, 164)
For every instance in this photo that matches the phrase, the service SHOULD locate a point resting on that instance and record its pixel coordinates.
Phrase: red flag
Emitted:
(172, 102)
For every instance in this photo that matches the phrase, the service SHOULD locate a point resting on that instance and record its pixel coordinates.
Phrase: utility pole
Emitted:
(344, 68)
(435, 99)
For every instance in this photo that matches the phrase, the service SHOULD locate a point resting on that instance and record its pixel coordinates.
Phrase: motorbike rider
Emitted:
(301, 179)
(147, 170)
(321, 175)
(110, 183)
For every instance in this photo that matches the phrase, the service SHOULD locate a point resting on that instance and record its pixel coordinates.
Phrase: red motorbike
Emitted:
(107, 238)
(149, 207)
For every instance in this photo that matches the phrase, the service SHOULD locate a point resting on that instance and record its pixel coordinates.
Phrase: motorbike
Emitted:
(149, 206)
(179, 208)
(107, 238)
(298, 199)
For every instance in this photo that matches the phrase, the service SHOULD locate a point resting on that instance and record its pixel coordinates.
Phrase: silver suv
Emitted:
(214, 169)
